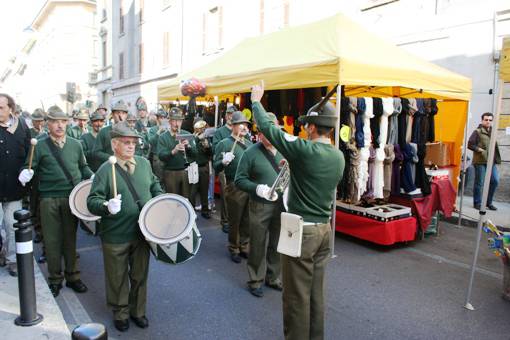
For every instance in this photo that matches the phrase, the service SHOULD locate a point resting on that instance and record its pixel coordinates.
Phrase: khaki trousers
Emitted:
(303, 285)
(59, 231)
(176, 182)
(224, 210)
(202, 188)
(264, 260)
(238, 219)
(126, 267)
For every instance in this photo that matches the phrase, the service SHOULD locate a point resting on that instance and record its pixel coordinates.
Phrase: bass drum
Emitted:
(168, 224)
(78, 205)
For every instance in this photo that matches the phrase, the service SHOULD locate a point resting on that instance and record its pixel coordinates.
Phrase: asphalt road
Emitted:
(413, 291)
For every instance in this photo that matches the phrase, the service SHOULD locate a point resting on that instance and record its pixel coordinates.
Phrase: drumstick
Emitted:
(236, 139)
(33, 143)
(112, 160)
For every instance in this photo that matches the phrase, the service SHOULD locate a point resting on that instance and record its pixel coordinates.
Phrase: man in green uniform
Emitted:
(81, 127)
(142, 123)
(88, 140)
(143, 147)
(176, 153)
(202, 158)
(125, 252)
(316, 167)
(103, 147)
(37, 130)
(227, 154)
(220, 134)
(153, 134)
(102, 110)
(60, 164)
(256, 172)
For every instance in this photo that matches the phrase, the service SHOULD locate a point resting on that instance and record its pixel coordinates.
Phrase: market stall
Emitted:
(371, 73)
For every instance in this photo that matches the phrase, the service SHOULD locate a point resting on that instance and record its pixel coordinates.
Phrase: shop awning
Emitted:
(330, 51)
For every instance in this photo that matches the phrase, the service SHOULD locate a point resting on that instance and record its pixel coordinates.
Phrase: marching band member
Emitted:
(143, 147)
(60, 164)
(174, 155)
(316, 167)
(103, 147)
(256, 172)
(88, 140)
(81, 127)
(153, 134)
(202, 157)
(38, 130)
(226, 158)
(125, 252)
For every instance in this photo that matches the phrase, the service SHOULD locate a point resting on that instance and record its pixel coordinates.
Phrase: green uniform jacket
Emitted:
(166, 143)
(76, 132)
(222, 133)
(52, 180)
(88, 141)
(225, 146)
(153, 137)
(143, 146)
(254, 168)
(35, 134)
(123, 226)
(103, 147)
(315, 169)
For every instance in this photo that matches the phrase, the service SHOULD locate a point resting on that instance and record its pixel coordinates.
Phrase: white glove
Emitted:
(25, 176)
(228, 157)
(114, 204)
(92, 177)
(263, 191)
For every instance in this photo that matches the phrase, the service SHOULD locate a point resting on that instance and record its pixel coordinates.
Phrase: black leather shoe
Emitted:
(477, 206)
(38, 238)
(77, 286)
(276, 285)
(256, 291)
(121, 325)
(55, 289)
(141, 322)
(41, 259)
(243, 254)
(235, 258)
(492, 207)
(225, 228)
(206, 215)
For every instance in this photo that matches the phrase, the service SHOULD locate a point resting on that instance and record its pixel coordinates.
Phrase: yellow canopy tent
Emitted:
(332, 51)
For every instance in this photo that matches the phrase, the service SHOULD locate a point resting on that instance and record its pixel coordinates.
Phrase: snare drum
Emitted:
(78, 205)
(168, 224)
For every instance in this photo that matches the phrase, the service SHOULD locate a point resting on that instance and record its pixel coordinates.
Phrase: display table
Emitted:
(441, 198)
(384, 233)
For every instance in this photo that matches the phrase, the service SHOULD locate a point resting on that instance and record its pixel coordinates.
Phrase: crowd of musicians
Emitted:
(43, 163)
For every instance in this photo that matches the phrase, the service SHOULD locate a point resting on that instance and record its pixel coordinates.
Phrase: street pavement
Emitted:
(409, 291)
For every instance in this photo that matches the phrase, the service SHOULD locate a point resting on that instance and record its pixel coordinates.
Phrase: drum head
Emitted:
(78, 201)
(166, 219)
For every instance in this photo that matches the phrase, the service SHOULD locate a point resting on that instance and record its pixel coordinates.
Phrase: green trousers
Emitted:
(59, 231)
(126, 266)
(157, 169)
(238, 219)
(202, 188)
(303, 285)
(176, 182)
(264, 260)
(223, 211)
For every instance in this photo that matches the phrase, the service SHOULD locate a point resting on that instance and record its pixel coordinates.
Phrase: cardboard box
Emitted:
(439, 153)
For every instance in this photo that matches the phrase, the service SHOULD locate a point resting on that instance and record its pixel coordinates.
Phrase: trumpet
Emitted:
(199, 127)
(282, 180)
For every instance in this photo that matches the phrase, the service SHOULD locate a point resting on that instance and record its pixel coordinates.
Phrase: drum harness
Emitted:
(56, 154)
(131, 188)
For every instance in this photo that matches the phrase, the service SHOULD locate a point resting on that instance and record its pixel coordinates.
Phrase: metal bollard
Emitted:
(90, 331)
(25, 260)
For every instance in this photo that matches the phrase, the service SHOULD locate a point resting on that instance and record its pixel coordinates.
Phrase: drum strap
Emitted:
(58, 157)
(131, 188)
(270, 158)
(239, 143)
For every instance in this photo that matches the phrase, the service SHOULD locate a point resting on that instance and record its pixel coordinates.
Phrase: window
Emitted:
(121, 65)
(104, 53)
(371, 4)
(166, 48)
(165, 4)
(140, 13)
(212, 30)
(121, 20)
(274, 15)
(140, 58)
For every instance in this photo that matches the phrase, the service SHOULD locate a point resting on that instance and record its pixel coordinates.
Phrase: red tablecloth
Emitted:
(442, 198)
(385, 233)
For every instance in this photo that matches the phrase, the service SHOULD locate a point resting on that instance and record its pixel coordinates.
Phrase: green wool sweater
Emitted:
(153, 137)
(254, 168)
(75, 132)
(123, 226)
(103, 147)
(35, 134)
(166, 143)
(222, 133)
(315, 169)
(225, 146)
(52, 180)
(88, 141)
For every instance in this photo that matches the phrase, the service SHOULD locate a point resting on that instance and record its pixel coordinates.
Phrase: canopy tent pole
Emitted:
(486, 183)
(216, 111)
(464, 163)
(337, 143)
